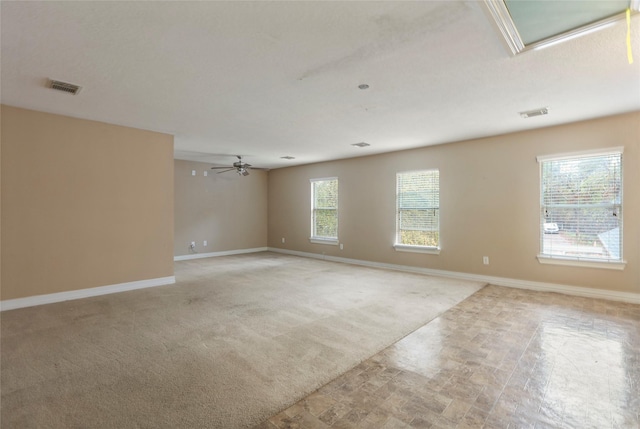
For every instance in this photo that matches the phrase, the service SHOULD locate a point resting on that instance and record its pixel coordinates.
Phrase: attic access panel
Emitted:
(531, 24)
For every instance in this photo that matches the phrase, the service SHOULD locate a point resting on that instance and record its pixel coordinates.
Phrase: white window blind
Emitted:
(581, 207)
(418, 208)
(324, 208)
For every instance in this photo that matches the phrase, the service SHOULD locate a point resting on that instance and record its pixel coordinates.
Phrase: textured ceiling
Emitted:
(269, 79)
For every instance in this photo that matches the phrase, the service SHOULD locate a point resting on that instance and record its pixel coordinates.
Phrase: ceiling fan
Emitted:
(242, 168)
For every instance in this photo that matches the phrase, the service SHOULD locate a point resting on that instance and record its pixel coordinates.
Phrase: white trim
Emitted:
(222, 253)
(323, 179)
(577, 32)
(592, 152)
(582, 262)
(420, 170)
(498, 281)
(11, 304)
(320, 240)
(502, 22)
(416, 249)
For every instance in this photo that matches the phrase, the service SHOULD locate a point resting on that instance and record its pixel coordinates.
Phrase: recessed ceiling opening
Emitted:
(361, 144)
(527, 25)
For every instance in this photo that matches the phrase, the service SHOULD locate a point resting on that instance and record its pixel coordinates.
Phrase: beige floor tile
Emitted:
(503, 358)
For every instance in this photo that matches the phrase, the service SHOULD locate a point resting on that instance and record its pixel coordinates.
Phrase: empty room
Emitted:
(320, 214)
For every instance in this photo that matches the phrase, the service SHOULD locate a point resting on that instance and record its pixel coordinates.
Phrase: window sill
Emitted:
(416, 249)
(582, 262)
(320, 240)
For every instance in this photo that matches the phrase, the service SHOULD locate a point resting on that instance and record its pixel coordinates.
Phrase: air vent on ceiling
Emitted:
(361, 144)
(69, 88)
(287, 157)
(536, 112)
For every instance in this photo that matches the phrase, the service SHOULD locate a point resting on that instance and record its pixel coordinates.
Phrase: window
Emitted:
(324, 211)
(581, 209)
(418, 211)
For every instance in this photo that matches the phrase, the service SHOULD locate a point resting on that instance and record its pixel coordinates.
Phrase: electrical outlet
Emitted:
(193, 172)
(282, 240)
(341, 246)
(485, 260)
(204, 243)
(206, 173)
(192, 245)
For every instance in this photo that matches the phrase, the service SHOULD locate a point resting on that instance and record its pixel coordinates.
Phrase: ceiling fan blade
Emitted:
(242, 168)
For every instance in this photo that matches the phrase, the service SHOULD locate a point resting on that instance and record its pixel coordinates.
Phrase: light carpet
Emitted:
(234, 341)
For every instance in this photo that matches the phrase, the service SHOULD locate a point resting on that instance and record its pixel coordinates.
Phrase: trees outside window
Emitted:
(418, 208)
(581, 206)
(324, 209)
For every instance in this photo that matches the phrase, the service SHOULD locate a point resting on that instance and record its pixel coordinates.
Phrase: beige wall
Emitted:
(489, 204)
(88, 204)
(84, 204)
(227, 210)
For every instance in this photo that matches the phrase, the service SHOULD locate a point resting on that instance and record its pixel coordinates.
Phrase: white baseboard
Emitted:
(498, 281)
(11, 304)
(222, 253)
(31, 301)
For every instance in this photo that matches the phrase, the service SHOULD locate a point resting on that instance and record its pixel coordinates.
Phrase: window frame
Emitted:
(412, 248)
(580, 261)
(317, 239)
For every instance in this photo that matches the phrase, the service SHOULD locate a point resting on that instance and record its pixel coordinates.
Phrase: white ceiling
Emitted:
(269, 79)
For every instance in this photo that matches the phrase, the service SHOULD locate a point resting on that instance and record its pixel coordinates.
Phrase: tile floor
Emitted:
(504, 358)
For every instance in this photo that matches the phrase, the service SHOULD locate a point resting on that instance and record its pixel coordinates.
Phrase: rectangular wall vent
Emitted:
(64, 86)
